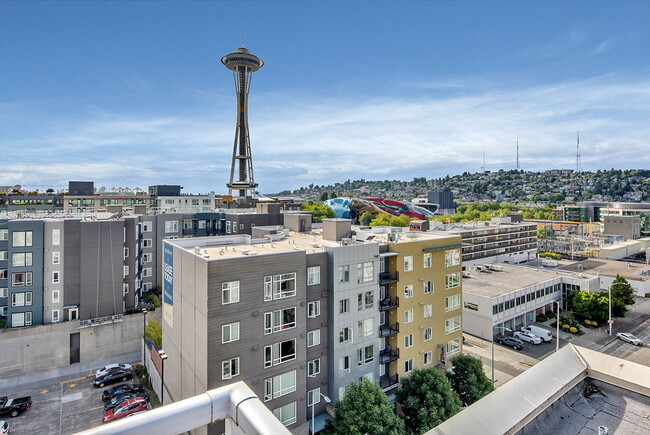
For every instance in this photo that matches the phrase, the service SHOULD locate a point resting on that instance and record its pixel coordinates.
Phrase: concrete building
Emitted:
(593, 211)
(627, 226)
(445, 199)
(637, 274)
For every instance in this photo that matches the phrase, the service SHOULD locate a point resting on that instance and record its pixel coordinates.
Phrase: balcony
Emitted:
(388, 330)
(388, 382)
(388, 303)
(388, 355)
(388, 277)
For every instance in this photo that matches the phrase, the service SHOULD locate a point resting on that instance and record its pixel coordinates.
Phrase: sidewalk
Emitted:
(74, 371)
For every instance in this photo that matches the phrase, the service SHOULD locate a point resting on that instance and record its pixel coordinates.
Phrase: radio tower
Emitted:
(578, 163)
(243, 64)
(517, 153)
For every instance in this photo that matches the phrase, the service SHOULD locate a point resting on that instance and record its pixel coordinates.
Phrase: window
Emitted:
(126, 252)
(365, 272)
(428, 287)
(21, 238)
(313, 367)
(147, 272)
(344, 306)
(201, 224)
(3, 273)
(408, 365)
(234, 227)
(230, 368)
(452, 325)
(3, 292)
(280, 385)
(427, 334)
(279, 286)
(366, 327)
(146, 243)
(171, 226)
(279, 353)
(55, 296)
(125, 289)
(313, 275)
(452, 346)
(452, 257)
(228, 227)
(365, 355)
(4, 234)
(230, 332)
(229, 292)
(452, 280)
(21, 319)
(279, 320)
(344, 273)
(147, 286)
(342, 389)
(345, 335)
(365, 300)
(21, 299)
(313, 396)
(313, 338)
(452, 302)
(126, 271)
(147, 258)
(55, 316)
(56, 258)
(344, 364)
(408, 316)
(21, 279)
(408, 263)
(427, 260)
(408, 291)
(4, 255)
(313, 309)
(286, 414)
(428, 357)
(147, 226)
(56, 237)
(427, 310)
(56, 277)
(408, 341)
(21, 259)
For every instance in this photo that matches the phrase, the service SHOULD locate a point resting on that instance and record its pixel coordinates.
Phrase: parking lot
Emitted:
(62, 406)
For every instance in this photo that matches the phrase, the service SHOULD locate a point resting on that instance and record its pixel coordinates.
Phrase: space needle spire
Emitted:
(243, 64)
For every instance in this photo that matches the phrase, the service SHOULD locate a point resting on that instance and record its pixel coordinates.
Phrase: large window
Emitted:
(408, 341)
(313, 309)
(344, 364)
(4, 255)
(21, 259)
(4, 234)
(229, 292)
(345, 335)
(171, 226)
(279, 353)
(408, 291)
(344, 273)
(365, 355)
(366, 327)
(452, 302)
(230, 332)
(408, 263)
(147, 226)
(427, 334)
(55, 316)
(279, 320)
(21, 319)
(3, 292)
(408, 316)
(279, 385)
(230, 368)
(428, 358)
(365, 300)
(452, 280)
(56, 296)
(427, 310)
(428, 287)
(147, 243)
(365, 272)
(344, 306)
(286, 414)
(21, 238)
(21, 279)
(427, 260)
(279, 286)
(3, 273)
(408, 365)
(313, 338)
(452, 325)
(313, 275)
(452, 257)
(453, 346)
(21, 299)
(313, 396)
(313, 367)
(56, 237)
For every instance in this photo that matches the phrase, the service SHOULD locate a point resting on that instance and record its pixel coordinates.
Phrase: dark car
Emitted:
(512, 342)
(14, 407)
(125, 409)
(118, 375)
(122, 389)
(118, 400)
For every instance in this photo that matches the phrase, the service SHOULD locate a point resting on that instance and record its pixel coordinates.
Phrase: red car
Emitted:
(125, 409)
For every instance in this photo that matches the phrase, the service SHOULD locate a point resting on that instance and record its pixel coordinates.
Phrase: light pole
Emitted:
(504, 330)
(609, 323)
(557, 325)
(163, 357)
(313, 405)
(144, 334)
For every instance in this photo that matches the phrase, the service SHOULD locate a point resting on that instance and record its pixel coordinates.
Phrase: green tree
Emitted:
(319, 211)
(468, 379)
(594, 306)
(427, 399)
(622, 290)
(153, 332)
(364, 409)
(366, 218)
(324, 196)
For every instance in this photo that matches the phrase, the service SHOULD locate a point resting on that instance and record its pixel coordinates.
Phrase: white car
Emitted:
(629, 338)
(528, 337)
(108, 368)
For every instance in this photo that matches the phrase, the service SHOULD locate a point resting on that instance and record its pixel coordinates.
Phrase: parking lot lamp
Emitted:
(557, 325)
(313, 405)
(144, 334)
(609, 322)
(163, 357)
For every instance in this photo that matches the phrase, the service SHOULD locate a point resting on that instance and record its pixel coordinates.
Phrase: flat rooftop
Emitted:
(609, 268)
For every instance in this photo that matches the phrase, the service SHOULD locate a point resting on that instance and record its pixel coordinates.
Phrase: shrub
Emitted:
(573, 329)
(155, 300)
(565, 326)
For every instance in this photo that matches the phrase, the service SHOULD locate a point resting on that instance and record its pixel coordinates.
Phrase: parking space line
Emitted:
(73, 380)
(96, 408)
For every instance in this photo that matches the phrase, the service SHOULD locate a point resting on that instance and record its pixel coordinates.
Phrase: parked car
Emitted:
(14, 407)
(122, 389)
(4, 428)
(629, 338)
(512, 342)
(112, 377)
(542, 333)
(118, 400)
(125, 409)
(528, 337)
(108, 368)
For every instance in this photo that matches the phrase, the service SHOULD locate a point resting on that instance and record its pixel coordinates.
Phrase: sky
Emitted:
(132, 94)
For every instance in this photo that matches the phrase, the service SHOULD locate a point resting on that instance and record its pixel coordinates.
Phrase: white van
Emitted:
(542, 333)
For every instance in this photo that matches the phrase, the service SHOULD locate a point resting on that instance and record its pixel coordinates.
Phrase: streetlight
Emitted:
(504, 330)
(557, 325)
(144, 334)
(313, 405)
(609, 323)
(163, 357)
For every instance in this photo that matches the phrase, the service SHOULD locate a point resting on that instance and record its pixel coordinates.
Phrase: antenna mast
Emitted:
(517, 152)
(483, 167)
(578, 163)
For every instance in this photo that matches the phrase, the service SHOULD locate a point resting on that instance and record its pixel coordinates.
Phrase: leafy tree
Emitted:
(427, 399)
(319, 211)
(384, 220)
(593, 306)
(468, 379)
(622, 290)
(153, 332)
(364, 409)
(366, 218)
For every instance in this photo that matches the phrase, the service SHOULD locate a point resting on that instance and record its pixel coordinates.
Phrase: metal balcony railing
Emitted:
(388, 303)
(387, 382)
(388, 330)
(388, 277)
(389, 354)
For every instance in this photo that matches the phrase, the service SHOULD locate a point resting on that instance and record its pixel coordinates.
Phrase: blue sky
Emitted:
(134, 94)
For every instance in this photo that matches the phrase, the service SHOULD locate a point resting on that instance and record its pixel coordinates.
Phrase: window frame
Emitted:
(230, 327)
(232, 289)
(230, 363)
(313, 275)
(313, 309)
(408, 263)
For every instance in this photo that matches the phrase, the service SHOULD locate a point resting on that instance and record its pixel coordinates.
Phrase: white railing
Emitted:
(100, 321)
(236, 403)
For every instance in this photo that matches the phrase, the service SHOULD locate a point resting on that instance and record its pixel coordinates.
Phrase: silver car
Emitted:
(629, 338)
(104, 370)
(528, 337)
